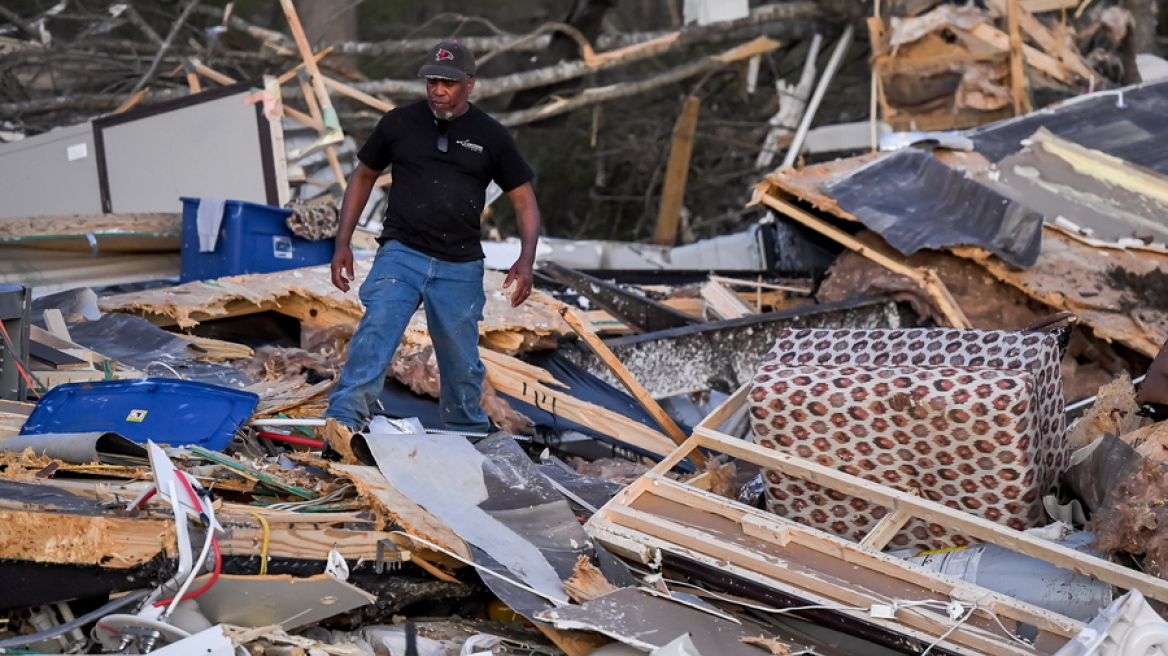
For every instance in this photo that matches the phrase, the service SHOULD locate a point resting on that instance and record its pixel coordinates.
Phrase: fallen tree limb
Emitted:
(603, 94)
(778, 12)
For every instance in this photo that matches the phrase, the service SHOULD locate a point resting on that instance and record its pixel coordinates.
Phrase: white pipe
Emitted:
(287, 422)
(837, 56)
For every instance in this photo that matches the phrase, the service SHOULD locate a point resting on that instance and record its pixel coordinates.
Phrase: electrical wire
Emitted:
(77, 622)
(267, 540)
(289, 438)
(207, 514)
(38, 388)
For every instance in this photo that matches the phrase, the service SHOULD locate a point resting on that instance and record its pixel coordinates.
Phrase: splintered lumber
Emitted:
(676, 173)
(725, 303)
(657, 513)
(309, 295)
(247, 472)
(533, 385)
(626, 378)
(1107, 288)
(926, 278)
(144, 231)
(1018, 83)
(705, 436)
(391, 505)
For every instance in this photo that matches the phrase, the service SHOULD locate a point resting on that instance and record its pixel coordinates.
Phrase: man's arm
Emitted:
(527, 217)
(356, 196)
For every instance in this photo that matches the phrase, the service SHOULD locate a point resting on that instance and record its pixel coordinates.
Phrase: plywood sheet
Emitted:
(309, 295)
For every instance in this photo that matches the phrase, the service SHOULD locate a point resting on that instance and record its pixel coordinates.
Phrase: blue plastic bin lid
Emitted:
(165, 410)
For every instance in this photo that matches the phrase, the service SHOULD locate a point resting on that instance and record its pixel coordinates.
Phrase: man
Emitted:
(444, 152)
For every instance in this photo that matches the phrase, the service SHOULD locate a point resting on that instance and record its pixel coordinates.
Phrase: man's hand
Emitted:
(342, 267)
(520, 273)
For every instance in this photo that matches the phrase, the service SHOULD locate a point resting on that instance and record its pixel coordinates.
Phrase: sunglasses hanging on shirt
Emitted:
(443, 140)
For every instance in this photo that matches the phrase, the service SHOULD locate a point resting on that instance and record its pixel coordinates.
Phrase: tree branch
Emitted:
(16, 20)
(612, 92)
(174, 30)
(785, 11)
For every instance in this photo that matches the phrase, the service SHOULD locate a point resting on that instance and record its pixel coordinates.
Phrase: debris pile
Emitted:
(932, 444)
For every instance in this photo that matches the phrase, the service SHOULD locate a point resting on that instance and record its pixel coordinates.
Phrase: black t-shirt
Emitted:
(436, 198)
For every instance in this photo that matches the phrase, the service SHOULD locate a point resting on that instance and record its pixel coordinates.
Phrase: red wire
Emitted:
(214, 546)
(20, 365)
(290, 438)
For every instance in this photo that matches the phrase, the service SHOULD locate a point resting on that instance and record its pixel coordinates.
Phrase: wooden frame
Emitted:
(658, 513)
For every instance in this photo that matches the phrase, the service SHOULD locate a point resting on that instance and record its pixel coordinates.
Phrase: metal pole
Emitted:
(837, 56)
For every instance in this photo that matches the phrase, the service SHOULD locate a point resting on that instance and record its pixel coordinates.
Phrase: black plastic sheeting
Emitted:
(398, 401)
(914, 201)
(144, 346)
(1131, 124)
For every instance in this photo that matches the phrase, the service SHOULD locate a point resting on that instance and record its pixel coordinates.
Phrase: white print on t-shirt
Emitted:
(471, 146)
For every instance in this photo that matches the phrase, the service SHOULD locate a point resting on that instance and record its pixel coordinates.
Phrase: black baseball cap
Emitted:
(450, 60)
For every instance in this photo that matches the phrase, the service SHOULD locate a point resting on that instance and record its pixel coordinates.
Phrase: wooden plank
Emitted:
(926, 278)
(357, 94)
(774, 565)
(1035, 58)
(53, 378)
(886, 529)
(618, 369)
(676, 173)
(1018, 83)
(932, 511)
(71, 225)
(59, 537)
(55, 359)
(55, 322)
(508, 375)
(132, 101)
(1039, 6)
(727, 408)
(304, 541)
(725, 303)
(783, 533)
(1043, 36)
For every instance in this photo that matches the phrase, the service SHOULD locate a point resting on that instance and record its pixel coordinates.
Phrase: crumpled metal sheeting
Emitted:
(914, 201)
(973, 419)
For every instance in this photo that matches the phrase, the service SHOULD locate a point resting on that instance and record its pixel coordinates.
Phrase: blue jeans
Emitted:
(402, 278)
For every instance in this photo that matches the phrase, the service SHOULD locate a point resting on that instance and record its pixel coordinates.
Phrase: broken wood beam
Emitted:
(1018, 83)
(638, 312)
(536, 386)
(932, 511)
(676, 173)
(725, 303)
(926, 278)
(630, 383)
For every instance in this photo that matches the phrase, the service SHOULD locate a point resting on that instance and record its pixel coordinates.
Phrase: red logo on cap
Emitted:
(444, 55)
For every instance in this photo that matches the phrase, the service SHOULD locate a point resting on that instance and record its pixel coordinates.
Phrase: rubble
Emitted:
(892, 454)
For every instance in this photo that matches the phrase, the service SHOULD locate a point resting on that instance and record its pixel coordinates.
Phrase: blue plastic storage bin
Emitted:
(165, 410)
(253, 238)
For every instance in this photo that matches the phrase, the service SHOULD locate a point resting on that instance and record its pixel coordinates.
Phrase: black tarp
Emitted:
(1130, 123)
(914, 201)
